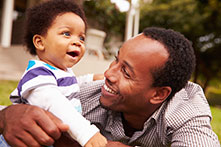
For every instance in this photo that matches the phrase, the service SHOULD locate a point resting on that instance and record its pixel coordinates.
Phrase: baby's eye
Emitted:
(66, 34)
(82, 38)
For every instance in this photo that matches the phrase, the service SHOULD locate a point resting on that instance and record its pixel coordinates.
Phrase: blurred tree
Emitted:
(210, 44)
(102, 14)
(199, 21)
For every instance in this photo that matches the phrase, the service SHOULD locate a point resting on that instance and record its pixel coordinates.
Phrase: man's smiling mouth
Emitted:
(109, 90)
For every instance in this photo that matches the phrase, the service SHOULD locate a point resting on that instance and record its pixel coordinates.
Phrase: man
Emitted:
(146, 99)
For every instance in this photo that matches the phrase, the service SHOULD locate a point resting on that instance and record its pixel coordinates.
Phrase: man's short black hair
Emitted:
(181, 61)
(40, 17)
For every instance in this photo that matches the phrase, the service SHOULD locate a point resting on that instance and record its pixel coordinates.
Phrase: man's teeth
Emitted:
(109, 90)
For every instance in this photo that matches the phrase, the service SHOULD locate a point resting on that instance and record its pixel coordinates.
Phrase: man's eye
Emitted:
(116, 58)
(126, 74)
(66, 34)
(82, 38)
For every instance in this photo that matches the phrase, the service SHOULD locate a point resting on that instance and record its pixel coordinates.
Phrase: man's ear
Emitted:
(160, 94)
(38, 42)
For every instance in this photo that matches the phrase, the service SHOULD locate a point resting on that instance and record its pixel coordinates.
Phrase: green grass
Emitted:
(216, 121)
(6, 87)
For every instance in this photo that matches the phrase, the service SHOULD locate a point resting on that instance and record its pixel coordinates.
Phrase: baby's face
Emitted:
(64, 42)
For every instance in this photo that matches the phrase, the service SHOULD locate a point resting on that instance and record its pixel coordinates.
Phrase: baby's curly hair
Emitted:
(40, 17)
(181, 61)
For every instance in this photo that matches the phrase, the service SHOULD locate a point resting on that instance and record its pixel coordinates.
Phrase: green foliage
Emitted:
(178, 15)
(102, 14)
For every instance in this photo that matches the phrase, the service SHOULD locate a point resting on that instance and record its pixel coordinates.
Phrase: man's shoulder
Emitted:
(89, 94)
(187, 104)
(91, 88)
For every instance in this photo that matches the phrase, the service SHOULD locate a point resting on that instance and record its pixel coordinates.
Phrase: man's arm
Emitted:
(193, 120)
(26, 125)
(64, 140)
(116, 144)
(196, 132)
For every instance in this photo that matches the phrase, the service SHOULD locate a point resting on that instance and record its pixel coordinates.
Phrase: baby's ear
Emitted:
(38, 42)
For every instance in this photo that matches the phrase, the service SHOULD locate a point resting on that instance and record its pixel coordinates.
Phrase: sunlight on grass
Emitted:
(216, 121)
(6, 87)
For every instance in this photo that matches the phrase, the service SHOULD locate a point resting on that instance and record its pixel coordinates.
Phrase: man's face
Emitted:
(128, 80)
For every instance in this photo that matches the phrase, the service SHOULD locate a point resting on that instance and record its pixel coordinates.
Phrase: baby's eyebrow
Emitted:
(62, 27)
(83, 33)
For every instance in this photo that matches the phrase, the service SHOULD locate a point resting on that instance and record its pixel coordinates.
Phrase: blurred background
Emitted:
(110, 23)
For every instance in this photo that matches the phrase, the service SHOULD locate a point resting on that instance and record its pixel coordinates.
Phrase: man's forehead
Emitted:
(137, 37)
(142, 45)
(136, 42)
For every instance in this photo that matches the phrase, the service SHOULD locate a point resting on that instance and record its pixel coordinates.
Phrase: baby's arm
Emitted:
(98, 77)
(89, 78)
(51, 99)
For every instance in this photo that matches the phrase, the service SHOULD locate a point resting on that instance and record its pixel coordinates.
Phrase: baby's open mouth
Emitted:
(73, 54)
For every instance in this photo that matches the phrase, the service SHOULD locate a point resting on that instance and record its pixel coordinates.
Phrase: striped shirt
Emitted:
(182, 121)
(39, 73)
(55, 90)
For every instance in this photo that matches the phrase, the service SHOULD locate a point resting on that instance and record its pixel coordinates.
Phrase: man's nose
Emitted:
(112, 73)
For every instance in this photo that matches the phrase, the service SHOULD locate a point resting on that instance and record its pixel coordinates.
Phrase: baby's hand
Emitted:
(97, 140)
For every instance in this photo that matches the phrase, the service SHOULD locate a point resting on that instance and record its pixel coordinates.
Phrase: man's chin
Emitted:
(103, 105)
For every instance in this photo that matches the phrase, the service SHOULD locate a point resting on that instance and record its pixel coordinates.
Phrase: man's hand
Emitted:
(116, 144)
(26, 125)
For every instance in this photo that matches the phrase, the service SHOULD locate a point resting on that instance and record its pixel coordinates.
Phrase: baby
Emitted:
(55, 32)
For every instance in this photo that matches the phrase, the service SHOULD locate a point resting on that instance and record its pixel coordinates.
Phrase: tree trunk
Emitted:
(196, 73)
(206, 84)
(197, 68)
